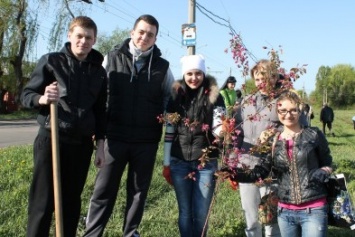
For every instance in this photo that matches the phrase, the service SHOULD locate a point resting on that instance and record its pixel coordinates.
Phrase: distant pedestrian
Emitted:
(327, 118)
(354, 122)
(3, 92)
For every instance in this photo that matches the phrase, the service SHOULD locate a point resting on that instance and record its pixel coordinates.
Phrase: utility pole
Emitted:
(192, 18)
(325, 94)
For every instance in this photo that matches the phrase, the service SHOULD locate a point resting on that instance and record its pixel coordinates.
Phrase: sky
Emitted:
(315, 33)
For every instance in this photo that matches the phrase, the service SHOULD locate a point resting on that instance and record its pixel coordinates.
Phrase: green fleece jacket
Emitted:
(229, 97)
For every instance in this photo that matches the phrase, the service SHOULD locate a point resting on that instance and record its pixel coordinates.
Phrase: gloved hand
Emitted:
(166, 174)
(320, 175)
(233, 184)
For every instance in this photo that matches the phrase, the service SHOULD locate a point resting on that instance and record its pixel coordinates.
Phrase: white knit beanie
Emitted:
(191, 62)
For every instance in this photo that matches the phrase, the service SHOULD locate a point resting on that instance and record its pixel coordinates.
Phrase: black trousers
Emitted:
(329, 125)
(140, 158)
(74, 162)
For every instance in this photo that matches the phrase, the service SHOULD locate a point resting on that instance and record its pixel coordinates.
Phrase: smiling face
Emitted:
(263, 81)
(144, 35)
(259, 80)
(264, 75)
(81, 39)
(288, 113)
(231, 85)
(193, 78)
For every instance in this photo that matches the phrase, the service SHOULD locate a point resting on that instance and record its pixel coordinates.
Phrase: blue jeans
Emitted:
(310, 222)
(194, 194)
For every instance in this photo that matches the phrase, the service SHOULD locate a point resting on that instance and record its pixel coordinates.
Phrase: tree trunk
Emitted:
(17, 59)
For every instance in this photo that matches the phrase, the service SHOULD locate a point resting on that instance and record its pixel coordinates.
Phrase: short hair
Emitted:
(149, 19)
(83, 21)
(291, 96)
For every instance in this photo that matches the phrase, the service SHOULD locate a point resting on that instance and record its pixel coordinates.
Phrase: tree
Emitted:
(18, 34)
(248, 87)
(106, 43)
(336, 85)
(66, 10)
(17, 26)
(322, 78)
(342, 85)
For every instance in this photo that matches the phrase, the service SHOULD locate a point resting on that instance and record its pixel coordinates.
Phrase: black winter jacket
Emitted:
(189, 140)
(83, 92)
(134, 105)
(326, 114)
(310, 152)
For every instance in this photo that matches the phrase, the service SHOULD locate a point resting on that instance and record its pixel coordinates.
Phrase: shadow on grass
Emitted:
(340, 232)
(341, 135)
(336, 144)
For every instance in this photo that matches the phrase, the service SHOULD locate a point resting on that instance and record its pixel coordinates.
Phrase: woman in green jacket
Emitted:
(229, 95)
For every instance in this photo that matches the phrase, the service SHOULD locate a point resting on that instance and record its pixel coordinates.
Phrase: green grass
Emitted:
(160, 217)
(20, 114)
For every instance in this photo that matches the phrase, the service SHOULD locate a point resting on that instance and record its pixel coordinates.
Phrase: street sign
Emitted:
(188, 34)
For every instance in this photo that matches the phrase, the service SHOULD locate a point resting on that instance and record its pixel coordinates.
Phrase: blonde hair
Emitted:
(83, 21)
(266, 68)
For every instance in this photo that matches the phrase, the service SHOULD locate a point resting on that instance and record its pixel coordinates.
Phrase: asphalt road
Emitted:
(17, 132)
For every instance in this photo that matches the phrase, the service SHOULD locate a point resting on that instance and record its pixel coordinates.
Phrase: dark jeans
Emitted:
(329, 125)
(74, 164)
(140, 158)
(194, 196)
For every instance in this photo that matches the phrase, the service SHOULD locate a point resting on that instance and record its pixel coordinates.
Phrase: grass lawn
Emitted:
(160, 217)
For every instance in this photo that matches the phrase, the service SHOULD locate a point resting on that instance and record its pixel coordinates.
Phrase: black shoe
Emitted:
(333, 134)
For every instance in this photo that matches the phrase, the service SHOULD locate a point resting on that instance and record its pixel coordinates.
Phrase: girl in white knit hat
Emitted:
(193, 130)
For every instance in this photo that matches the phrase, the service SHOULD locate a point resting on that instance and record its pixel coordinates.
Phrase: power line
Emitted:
(105, 10)
(127, 15)
(199, 6)
(229, 26)
(168, 37)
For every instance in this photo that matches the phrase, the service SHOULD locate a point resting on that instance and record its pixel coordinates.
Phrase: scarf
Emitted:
(139, 58)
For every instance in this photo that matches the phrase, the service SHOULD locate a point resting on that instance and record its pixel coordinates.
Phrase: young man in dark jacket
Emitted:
(139, 89)
(76, 80)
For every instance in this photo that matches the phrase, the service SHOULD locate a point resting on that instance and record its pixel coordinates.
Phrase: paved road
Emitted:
(17, 132)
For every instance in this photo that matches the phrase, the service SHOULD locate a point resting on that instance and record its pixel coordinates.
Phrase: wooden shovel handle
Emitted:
(56, 170)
